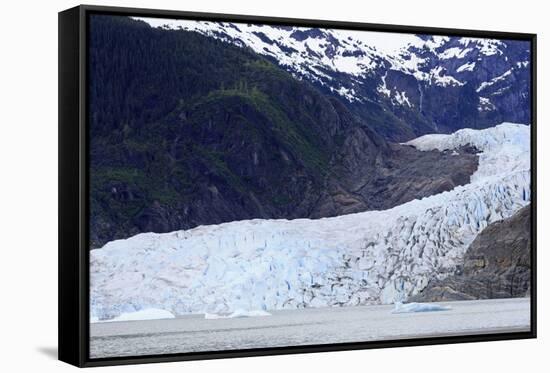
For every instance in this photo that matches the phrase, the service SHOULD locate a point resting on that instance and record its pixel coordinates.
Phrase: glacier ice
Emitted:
(371, 257)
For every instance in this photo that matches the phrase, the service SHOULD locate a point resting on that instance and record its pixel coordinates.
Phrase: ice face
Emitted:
(365, 258)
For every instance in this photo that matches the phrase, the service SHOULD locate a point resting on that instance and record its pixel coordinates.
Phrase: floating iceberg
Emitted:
(418, 307)
(236, 314)
(146, 314)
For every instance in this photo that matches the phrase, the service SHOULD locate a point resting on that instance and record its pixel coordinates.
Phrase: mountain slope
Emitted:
(403, 85)
(188, 130)
(363, 258)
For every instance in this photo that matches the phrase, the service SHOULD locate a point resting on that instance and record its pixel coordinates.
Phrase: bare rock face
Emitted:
(496, 265)
(388, 178)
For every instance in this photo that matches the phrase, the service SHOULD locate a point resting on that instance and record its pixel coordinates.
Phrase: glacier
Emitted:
(372, 257)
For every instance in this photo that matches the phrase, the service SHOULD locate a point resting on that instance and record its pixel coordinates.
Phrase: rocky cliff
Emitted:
(496, 265)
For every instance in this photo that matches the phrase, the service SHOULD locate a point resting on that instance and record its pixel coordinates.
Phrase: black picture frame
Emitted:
(73, 187)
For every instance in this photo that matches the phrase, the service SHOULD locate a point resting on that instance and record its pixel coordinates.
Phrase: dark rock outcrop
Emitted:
(386, 180)
(496, 265)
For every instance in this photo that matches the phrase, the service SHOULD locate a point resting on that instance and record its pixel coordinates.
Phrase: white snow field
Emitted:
(373, 257)
(309, 326)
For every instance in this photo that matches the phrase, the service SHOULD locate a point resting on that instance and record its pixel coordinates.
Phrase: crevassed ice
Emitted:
(365, 258)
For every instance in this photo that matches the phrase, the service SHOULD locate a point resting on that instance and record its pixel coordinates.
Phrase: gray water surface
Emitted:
(304, 327)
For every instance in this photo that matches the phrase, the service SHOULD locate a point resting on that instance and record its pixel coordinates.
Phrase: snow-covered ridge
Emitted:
(311, 52)
(364, 258)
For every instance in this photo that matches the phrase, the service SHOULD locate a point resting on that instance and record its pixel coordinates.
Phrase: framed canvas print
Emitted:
(237, 186)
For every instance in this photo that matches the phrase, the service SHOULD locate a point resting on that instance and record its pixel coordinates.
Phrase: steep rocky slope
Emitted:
(496, 265)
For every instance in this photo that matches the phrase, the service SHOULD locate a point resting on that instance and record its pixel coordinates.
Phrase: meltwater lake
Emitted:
(194, 333)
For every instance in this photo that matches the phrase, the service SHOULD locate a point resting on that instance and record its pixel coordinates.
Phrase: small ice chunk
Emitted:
(236, 314)
(418, 307)
(146, 314)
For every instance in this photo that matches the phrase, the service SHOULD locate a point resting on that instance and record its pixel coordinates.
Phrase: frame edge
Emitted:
(70, 295)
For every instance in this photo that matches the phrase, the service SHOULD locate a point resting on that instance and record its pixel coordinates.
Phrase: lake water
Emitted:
(304, 327)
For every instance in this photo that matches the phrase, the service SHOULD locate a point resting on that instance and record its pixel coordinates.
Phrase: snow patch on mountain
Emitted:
(455, 52)
(466, 67)
(522, 64)
(383, 88)
(497, 79)
(402, 99)
(488, 47)
(437, 76)
(345, 92)
(485, 104)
